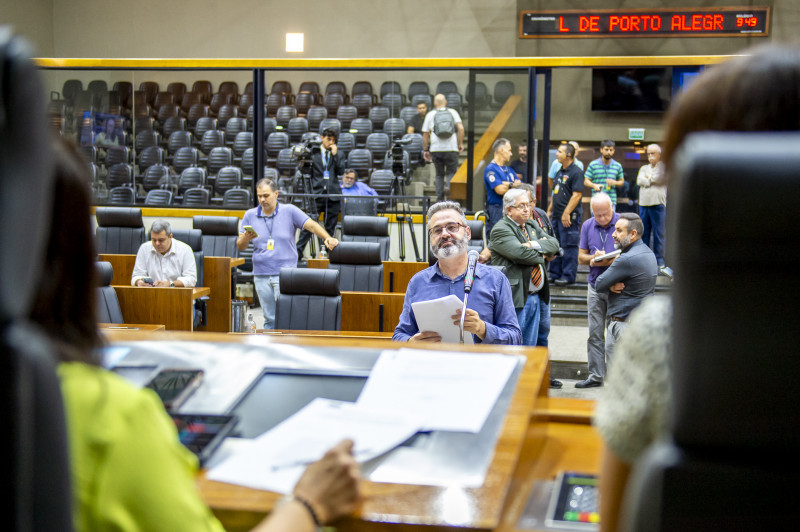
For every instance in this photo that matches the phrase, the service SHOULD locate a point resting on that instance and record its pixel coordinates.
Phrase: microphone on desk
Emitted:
(469, 278)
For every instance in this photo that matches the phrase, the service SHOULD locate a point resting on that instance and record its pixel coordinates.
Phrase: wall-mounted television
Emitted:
(643, 90)
(639, 90)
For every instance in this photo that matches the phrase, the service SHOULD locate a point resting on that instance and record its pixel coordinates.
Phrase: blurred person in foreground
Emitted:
(129, 470)
(756, 92)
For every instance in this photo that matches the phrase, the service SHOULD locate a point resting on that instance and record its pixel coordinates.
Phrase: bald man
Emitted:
(442, 140)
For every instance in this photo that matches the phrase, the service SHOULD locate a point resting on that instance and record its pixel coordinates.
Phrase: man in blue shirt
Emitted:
(498, 178)
(272, 227)
(353, 187)
(490, 311)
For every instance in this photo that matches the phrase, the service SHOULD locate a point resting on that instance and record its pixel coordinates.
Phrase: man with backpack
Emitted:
(443, 140)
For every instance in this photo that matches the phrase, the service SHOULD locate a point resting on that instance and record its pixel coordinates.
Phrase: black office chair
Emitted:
(309, 300)
(119, 230)
(730, 461)
(108, 309)
(476, 241)
(36, 480)
(367, 229)
(359, 264)
(219, 234)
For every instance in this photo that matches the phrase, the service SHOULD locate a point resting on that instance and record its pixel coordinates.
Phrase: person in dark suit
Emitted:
(326, 167)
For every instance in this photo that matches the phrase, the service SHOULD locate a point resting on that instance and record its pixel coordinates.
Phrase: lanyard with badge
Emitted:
(268, 227)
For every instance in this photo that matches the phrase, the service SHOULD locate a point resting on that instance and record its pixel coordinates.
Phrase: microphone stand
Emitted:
(463, 315)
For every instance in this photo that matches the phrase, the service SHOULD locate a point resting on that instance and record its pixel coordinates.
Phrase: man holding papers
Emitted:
(490, 315)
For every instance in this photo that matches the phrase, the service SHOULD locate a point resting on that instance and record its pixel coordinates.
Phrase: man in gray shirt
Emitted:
(629, 279)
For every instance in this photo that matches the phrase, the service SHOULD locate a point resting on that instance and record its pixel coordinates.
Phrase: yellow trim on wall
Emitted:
(382, 63)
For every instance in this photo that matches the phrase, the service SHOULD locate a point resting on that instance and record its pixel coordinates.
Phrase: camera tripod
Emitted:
(399, 188)
(309, 202)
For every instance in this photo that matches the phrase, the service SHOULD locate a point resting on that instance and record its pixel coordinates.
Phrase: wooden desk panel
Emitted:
(217, 277)
(361, 311)
(131, 326)
(122, 265)
(172, 307)
(396, 275)
(362, 335)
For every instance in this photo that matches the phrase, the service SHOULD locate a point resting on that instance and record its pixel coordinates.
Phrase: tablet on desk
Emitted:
(609, 255)
(202, 434)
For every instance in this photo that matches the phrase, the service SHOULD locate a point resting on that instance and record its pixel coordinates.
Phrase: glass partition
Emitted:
(185, 138)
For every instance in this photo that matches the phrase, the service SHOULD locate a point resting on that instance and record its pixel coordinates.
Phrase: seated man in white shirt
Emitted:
(164, 261)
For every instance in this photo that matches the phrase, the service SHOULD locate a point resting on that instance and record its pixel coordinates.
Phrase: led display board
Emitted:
(667, 22)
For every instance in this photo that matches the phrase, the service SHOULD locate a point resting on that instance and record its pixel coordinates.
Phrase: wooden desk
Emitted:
(172, 307)
(216, 276)
(362, 335)
(393, 506)
(530, 448)
(131, 326)
(549, 448)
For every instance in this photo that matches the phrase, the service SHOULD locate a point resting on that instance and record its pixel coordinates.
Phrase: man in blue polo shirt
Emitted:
(272, 227)
(596, 240)
(497, 179)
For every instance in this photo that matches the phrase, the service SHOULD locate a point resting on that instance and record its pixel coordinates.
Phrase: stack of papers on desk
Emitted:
(408, 390)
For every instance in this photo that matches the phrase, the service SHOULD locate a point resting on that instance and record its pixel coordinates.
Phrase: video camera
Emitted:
(397, 155)
(303, 151)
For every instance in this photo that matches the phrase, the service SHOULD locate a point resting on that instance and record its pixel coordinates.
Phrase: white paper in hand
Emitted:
(437, 315)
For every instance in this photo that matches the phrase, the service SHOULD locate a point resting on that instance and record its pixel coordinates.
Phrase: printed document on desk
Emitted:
(436, 315)
(448, 391)
(276, 459)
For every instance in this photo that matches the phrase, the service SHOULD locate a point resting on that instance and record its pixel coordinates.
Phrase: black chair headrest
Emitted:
(26, 172)
(105, 272)
(356, 253)
(365, 226)
(119, 217)
(476, 227)
(217, 225)
(191, 237)
(309, 281)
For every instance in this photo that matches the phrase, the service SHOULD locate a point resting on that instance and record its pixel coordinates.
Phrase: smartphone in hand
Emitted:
(249, 229)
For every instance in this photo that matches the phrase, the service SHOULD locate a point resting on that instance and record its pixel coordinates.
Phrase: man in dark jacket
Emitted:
(519, 243)
(326, 167)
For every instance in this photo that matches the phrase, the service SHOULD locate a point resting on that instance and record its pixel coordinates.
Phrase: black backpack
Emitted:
(443, 123)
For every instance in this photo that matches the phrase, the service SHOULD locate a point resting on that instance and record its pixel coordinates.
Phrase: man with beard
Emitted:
(629, 279)
(490, 311)
(604, 174)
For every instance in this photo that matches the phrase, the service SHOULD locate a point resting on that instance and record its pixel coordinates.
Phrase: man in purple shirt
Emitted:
(272, 228)
(596, 239)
